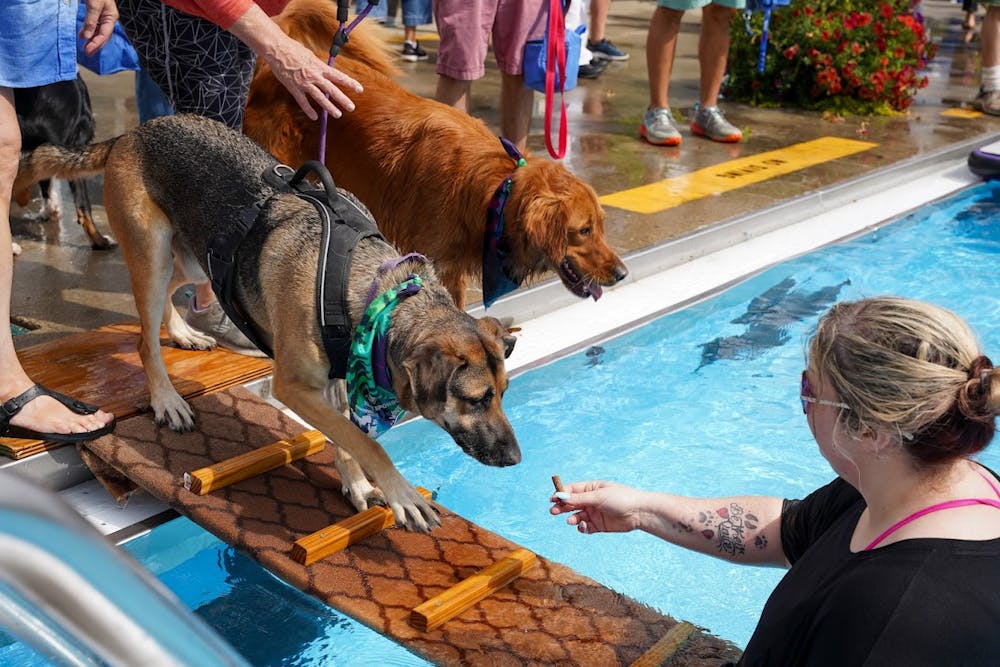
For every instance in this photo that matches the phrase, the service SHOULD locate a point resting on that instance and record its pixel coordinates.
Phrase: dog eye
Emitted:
(483, 400)
(586, 231)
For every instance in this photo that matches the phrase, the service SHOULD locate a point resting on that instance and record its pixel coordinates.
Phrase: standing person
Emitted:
(988, 100)
(658, 126)
(602, 47)
(201, 54)
(896, 561)
(969, 7)
(415, 12)
(589, 65)
(38, 47)
(466, 29)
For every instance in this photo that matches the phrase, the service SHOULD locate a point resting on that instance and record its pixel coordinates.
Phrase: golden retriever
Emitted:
(428, 171)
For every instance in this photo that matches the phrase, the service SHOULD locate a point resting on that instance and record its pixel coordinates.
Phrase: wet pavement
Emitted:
(61, 285)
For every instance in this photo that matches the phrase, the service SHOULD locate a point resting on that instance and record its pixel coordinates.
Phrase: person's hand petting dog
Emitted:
(309, 79)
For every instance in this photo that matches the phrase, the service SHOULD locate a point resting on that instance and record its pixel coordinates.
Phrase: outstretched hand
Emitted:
(98, 25)
(599, 507)
(310, 80)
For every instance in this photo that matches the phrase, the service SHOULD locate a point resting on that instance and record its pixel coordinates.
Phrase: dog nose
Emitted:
(621, 272)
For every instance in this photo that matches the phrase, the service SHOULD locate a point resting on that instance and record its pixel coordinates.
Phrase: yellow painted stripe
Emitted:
(733, 174)
(962, 113)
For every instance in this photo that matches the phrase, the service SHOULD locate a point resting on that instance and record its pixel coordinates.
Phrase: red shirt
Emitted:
(224, 13)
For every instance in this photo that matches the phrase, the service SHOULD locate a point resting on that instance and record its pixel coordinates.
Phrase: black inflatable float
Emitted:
(985, 161)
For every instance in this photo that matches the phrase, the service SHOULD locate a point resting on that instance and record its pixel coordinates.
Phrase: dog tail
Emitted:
(50, 161)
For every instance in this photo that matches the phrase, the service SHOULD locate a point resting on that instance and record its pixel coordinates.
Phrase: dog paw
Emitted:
(364, 496)
(174, 412)
(103, 242)
(415, 513)
(192, 339)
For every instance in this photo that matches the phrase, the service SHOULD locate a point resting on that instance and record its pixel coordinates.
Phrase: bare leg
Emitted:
(661, 42)
(42, 414)
(516, 101)
(410, 33)
(990, 35)
(713, 50)
(454, 92)
(598, 19)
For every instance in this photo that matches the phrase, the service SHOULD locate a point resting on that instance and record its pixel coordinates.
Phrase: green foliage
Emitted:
(843, 56)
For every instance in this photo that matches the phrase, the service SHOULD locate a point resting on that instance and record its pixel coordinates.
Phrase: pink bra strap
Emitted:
(989, 481)
(947, 505)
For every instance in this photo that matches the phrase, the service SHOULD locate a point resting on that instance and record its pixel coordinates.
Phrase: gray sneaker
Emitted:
(709, 122)
(988, 101)
(215, 323)
(658, 127)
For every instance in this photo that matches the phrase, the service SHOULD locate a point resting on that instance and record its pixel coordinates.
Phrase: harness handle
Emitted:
(324, 176)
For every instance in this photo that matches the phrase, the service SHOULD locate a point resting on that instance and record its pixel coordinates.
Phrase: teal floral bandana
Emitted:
(374, 406)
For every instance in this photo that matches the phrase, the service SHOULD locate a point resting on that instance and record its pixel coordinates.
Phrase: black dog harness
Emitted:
(344, 225)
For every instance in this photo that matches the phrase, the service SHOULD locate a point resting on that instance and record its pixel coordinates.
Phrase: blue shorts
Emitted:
(684, 5)
(37, 42)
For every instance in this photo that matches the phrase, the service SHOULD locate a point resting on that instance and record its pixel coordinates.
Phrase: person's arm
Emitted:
(307, 78)
(741, 529)
(98, 24)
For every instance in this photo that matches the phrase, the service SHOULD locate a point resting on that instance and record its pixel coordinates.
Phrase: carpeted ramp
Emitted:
(550, 615)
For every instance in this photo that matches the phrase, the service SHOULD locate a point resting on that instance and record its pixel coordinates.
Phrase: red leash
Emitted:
(555, 61)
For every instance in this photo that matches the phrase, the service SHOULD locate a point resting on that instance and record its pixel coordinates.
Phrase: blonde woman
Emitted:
(897, 560)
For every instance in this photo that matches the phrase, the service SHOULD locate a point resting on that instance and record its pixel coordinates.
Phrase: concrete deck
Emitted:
(62, 286)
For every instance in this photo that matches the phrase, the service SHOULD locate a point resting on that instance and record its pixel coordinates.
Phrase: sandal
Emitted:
(14, 406)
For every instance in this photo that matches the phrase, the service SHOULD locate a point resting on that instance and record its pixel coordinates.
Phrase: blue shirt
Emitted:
(37, 42)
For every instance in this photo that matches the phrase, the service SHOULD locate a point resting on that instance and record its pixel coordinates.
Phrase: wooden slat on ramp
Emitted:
(103, 367)
(550, 615)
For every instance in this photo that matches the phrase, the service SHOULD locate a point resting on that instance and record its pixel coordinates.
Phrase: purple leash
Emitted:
(339, 40)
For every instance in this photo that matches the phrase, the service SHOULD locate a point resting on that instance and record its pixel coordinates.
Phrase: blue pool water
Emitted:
(703, 401)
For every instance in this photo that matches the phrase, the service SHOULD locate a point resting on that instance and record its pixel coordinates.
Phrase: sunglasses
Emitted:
(808, 397)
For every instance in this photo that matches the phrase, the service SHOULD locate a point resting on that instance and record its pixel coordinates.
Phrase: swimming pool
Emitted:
(702, 401)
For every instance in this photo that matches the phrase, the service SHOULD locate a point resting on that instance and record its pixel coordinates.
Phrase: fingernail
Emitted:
(561, 495)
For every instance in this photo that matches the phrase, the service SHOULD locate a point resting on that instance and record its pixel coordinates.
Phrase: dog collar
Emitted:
(497, 278)
(373, 404)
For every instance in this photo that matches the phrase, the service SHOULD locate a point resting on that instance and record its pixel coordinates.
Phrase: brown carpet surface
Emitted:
(550, 615)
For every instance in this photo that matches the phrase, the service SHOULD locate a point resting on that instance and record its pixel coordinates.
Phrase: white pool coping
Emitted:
(550, 335)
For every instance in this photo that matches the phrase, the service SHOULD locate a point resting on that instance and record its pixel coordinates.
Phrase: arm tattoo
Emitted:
(727, 526)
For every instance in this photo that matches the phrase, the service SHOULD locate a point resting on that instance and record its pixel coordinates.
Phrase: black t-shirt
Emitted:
(923, 601)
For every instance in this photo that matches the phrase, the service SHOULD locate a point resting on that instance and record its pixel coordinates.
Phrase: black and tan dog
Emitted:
(59, 113)
(174, 184)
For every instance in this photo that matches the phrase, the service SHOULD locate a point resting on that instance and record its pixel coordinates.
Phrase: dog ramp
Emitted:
(549, 615)
(102, 367)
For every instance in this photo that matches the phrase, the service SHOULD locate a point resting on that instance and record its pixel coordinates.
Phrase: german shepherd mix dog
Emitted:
(176, 183)
(59, 113)
(431, 174)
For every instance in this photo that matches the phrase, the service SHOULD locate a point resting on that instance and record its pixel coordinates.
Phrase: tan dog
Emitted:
(174, 184)
(428, 172)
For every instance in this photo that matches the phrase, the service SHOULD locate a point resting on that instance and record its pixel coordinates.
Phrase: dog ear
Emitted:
(545, 221)
(494, 329)
(428, 373)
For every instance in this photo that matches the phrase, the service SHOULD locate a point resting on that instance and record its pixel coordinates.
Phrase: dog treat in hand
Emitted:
(561, 495)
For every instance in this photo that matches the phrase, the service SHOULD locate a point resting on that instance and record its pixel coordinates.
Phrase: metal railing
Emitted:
(78, 600)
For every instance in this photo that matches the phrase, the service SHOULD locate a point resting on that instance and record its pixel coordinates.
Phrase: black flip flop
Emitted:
(14, 406)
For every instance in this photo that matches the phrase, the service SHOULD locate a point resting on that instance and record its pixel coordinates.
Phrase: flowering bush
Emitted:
(843, 56)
